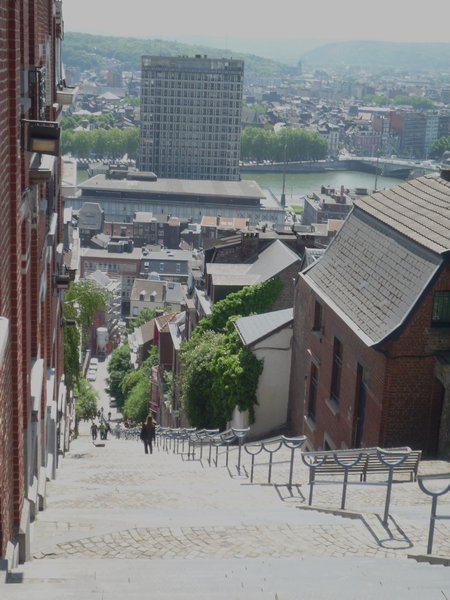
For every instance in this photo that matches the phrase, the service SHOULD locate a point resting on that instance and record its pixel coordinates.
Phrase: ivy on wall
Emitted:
(217, 371)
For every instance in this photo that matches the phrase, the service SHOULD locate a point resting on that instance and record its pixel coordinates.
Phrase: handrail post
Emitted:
(434, 495)
(391, 459)
(293, 444)
(241, 434)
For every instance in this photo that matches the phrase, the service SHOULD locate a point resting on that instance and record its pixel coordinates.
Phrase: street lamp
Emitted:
(283, 195)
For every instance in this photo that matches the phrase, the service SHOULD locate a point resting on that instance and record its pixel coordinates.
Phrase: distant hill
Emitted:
(419, 57)
(88, 51)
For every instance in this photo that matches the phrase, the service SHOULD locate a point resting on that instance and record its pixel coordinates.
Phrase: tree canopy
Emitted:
(252, 299)
(288, 144)
(102, 143)
(85, 400)
(439, 147)
(418, 102)
(81, 301)
(118, 367)
(136, 388)
(144, 316)
(217, 372)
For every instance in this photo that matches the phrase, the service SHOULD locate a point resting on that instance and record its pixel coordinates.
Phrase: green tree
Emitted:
(217, 372)
(85, 400)
(418, 102)
(118, 367)
(100, 143)
(288, 144)
(82, 143)
(72, 369)
(252, 299)
(81, 301)
(131, 141)
(136, 406)
(439, 147)
(136, 388)
(144, 316)
(87, 298)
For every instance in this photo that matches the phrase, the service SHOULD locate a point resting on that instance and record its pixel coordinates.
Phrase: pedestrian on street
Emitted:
(148, 434)
(94, 431)
(102, 430)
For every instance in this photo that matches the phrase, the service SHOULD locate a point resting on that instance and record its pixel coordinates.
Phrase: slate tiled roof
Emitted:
(273, 260)
(372, 275)
(270, 262)
(257, 327)
(418, 209)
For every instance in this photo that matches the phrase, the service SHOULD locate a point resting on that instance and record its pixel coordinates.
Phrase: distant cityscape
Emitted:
(327, 317)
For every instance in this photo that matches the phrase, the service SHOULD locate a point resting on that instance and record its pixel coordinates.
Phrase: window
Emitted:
(337, 370)
(313, 377)
(441, 309)
(318, 316)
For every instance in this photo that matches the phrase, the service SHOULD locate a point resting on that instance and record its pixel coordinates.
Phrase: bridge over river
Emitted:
(388, 167)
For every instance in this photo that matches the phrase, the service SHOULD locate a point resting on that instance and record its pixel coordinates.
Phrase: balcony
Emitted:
(42, 137)
(42, 168)
(4, 337)
(65, 95)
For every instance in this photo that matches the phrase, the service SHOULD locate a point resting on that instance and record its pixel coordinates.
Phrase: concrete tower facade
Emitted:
(191, 117)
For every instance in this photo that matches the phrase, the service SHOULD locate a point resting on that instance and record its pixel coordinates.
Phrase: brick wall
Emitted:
(34, 330)
(399, 377)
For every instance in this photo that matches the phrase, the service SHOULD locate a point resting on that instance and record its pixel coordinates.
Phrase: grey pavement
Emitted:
(122, 524)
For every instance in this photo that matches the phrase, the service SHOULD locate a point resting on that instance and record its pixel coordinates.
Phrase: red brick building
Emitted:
(32, 393)
(371, 350)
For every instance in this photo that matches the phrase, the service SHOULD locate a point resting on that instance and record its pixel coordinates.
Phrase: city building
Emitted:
(371, 344)
(269, 337)
(185, 199)
(169, 265)
(191, 117)
(218, 227)
(34, 409)
(156, 294)
(121, 266)
(329, 204)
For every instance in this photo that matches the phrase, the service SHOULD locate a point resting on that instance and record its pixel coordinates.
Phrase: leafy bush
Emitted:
(86, 400)
(118, 367)
(252, 299)
(135, 407)
(217, 371)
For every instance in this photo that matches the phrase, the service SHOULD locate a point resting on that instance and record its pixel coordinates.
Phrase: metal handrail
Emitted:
(434, 495)
(271, 446)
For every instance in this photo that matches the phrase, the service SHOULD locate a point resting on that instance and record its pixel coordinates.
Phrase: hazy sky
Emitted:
(394, 20)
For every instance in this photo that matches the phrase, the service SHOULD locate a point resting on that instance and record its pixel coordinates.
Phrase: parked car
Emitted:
(91, 375)
(93, 363)
(113, 403)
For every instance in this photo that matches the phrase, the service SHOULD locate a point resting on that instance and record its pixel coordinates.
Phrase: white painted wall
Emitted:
(273, 386)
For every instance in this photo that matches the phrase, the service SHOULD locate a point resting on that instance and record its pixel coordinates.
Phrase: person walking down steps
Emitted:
(148, 434)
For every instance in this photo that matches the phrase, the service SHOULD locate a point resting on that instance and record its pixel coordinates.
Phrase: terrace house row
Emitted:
(371, 348)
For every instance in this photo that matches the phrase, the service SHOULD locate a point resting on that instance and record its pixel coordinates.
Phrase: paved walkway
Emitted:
(122, 524)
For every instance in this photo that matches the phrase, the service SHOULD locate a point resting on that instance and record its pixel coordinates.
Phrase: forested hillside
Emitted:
(88, 51)
(410, 56)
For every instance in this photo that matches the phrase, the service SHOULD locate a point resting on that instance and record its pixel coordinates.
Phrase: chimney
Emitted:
(445, 173)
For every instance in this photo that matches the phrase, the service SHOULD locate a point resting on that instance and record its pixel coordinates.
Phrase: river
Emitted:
(300, 184)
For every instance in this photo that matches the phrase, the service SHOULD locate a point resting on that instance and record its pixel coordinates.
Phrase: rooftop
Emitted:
(257, 327)
(185, 187)
(384, 256)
